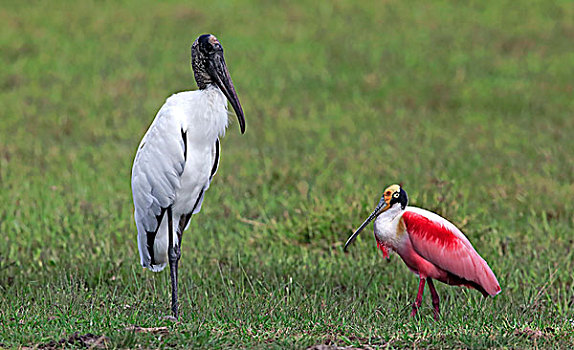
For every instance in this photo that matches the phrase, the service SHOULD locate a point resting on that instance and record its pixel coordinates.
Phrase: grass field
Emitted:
(469, 105)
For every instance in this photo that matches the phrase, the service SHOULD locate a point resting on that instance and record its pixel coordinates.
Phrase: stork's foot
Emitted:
(174, 253)
(174, 299)
(169, 318)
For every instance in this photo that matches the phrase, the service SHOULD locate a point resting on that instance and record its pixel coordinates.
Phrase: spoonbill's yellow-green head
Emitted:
(393, 196)
(209, 67)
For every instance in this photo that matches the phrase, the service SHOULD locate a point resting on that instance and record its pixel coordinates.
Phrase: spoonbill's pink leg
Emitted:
(419, 299)
(435, 299)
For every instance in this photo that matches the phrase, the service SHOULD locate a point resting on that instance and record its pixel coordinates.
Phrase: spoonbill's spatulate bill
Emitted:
(431, 247)
(178, 157)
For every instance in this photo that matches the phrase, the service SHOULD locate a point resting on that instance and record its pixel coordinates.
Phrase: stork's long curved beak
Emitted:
(381, 207)
(217, 69)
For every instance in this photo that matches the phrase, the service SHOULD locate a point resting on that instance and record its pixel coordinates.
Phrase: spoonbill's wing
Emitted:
(443, 244)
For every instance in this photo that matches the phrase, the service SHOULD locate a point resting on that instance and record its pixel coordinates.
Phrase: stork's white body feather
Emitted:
(173, 166)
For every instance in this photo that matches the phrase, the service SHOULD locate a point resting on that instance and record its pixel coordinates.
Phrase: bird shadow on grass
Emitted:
(88, 340)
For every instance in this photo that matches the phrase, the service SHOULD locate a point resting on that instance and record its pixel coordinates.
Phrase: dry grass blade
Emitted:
(155, 330)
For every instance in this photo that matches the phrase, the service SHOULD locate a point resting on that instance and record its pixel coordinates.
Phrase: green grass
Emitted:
(469, 105)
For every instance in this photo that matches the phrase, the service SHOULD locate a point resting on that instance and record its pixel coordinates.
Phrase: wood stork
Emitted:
(177, 158)
(430, 246)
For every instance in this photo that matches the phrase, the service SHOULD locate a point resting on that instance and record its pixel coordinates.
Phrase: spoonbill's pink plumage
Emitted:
(431, 247)
(444, 246)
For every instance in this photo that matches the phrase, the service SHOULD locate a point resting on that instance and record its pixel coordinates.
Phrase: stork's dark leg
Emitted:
(419, 299)
(435, 299)
(173, 254)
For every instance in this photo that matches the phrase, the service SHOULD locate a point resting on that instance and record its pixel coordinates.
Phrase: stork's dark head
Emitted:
(203, 50)
(209, 67)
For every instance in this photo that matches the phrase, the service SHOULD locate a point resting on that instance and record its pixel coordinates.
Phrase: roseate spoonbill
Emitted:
(430, 246)
(178, 157)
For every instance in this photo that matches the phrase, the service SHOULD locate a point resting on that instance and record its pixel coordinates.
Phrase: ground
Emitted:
(468, 105)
